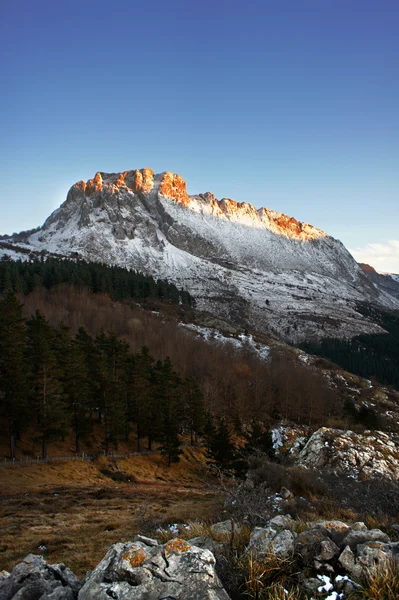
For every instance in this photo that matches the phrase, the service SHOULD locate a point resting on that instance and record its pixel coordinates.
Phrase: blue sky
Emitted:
(289, 104)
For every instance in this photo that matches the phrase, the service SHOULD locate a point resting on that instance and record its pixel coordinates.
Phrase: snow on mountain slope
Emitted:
(259, 268)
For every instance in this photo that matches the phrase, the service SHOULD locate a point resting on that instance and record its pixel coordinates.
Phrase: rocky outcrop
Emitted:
(141, 570)
(34, 579)
(368, 455)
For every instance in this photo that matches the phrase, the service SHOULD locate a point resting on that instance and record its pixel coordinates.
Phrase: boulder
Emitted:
(372, 554)
(281, 522)
(266, 539)
(145, 540)
(368, 455)
(347, 559)
(34, 579)
(328, 550)
(308, 543)
(337, 530)
(261, 538)
(360, 537)
(134, 570)
(225, 528)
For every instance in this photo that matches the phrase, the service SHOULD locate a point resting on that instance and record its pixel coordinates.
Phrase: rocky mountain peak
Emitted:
(258, 267)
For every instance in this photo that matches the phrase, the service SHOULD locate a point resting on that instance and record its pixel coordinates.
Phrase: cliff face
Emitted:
(258, 267)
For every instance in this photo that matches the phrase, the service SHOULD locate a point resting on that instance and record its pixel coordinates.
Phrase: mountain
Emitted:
(256, 267)
(387, 282)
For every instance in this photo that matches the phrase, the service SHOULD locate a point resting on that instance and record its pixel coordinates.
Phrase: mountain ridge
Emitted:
(253, 266)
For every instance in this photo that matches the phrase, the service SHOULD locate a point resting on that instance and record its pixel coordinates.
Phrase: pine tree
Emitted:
(194, 409)
(13, 383)
(74, 378)
(89, 351)
(141, 404)
(168, 394)
(45, 377)
(112, 363)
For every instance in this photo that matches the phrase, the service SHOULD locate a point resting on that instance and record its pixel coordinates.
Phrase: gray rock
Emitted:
(281, 521)
(372, 554)
(328, 550)
(344, 585)
(265, 539)
(307, 544)
(347, 559)
(285, 493)
(135, 571)
(359, 526)
(34, 579)
(283, 543)
(206, 543)
(260, 539)
(146, 540)
(360, 537)
(311, 585)
(225, 528)
(4, 575)
(60, 594)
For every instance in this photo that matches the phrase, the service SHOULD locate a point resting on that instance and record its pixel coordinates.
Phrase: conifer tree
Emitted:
(89, 351)
(13, 383)
(45, 378)
(112, 372)
(168, 394)
(74, 378)
(141, 403)
(194, 409)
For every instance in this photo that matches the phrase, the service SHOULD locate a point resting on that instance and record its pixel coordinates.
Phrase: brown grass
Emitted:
(381, 583)
(77, 512)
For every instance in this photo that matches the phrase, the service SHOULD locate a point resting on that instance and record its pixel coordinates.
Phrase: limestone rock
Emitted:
(145, 540)
(265, 539)
(136, 571)
(281, 521)
(347, 559)
(367, 455)
(360, 537)
(328, 550)
(225, 528)
(34, 579)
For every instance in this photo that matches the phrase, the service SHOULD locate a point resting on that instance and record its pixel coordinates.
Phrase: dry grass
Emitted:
(77, 512)
(264, 574)
(381, 583)
(278, 592)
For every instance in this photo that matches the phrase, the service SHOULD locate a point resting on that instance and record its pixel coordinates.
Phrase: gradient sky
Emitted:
(289, 104)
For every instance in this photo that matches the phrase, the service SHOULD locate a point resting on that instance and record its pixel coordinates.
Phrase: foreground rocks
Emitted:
(334, 555)
(34, 579)
(133, 570)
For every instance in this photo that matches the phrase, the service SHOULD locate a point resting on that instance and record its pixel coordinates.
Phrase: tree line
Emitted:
(24, 276)
(62, 382)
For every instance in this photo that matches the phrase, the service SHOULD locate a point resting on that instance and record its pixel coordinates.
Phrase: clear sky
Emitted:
(289, 104)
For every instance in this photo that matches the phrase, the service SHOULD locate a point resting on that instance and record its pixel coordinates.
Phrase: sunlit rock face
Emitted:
(257, 267)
